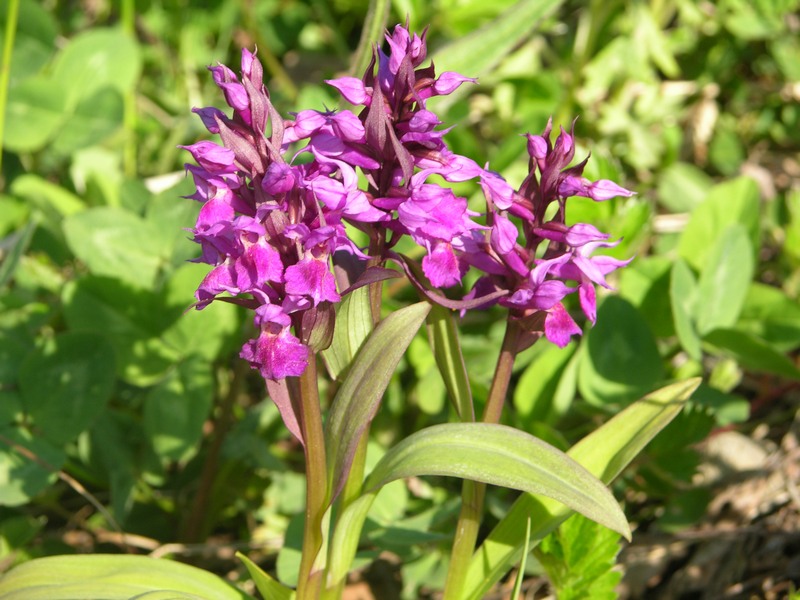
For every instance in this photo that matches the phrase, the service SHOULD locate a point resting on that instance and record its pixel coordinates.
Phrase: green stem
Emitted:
(305, 395)
(12, 15)
(473, 492)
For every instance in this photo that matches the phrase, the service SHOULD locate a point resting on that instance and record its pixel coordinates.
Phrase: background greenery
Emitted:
(121, 411)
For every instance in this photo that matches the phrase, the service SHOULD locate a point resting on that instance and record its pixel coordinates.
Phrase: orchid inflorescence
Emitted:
(271, 223)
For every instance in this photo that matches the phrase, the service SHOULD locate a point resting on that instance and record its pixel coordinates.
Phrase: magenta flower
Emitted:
(537, 284)
(268, 227)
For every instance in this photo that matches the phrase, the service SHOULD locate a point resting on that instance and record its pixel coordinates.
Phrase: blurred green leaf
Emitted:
(176, 409)
(477, 54)
(23, 477)
(94, 118)
(682, 186)
(48, 196)
(34, 39)
(684, 296)
(619, 358)
(116, 243)
(132, 320)
(96, 59)
(724, 281)
(729, 203)
(66, 384)
(113, 577)
(752, 352)
(11, 250)
(36, 110)
(771, 315)
(537, 390)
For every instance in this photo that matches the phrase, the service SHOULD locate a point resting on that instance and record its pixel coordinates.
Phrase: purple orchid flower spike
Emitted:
(268, 227)
(536, 270)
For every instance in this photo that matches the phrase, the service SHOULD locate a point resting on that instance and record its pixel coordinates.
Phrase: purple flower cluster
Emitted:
(269, 225)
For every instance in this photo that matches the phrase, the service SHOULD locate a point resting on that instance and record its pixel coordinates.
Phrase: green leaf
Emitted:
(133, 321)
(94, 118)
(683, 186)
(47, 196)
(752, 352)
(579, 559)
(115, 242)
(477, 54)
(36, 110)
(21, 476)
(66, 385)
(724, 281)
(770, 314)
(112, 577)
(176, 408)
(446, 347)
(604, 453)
(620, 359)
(503, 456)
(18, 246)
(537, 390)
(729, 203)
(266, 585)
(358, 398)
(353, 325)
(97, 59)
(683, 294)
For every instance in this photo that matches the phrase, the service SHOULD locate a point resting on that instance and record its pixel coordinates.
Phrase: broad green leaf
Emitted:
(477, 54)
(752, 352)
(36, 110)
(96, 59)
(133, 321)
(724, 281)
(729, 203)
(353, 325)
(93, 119)
(176, 409)
(112, 577)
(620, 359)
(604, 453)
(117, 243)
(536, 391)
(683, 294)
(115, 443)
(66, 385)
(358, 398)
(682, 186)
(772, 315)
(645, 284)
(28, 465)
(446, 347)
(46, 195)
(206, 332)
(503, 456)
(266, 585)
